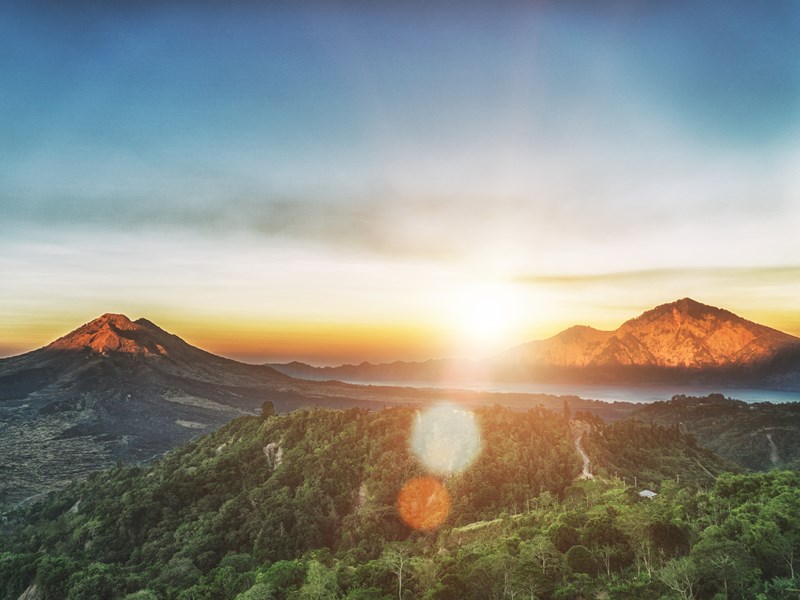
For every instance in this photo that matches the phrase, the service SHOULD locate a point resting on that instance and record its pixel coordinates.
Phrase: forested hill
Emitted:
(756, 436)
(281, 506)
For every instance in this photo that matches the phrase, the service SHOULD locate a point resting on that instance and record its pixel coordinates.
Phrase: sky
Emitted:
(337, 182)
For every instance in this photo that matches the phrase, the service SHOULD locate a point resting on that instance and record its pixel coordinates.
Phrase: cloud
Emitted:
(557, 209)
(776, 275)
(413, 144)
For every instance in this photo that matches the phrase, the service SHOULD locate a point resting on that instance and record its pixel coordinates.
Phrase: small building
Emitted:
(648, 494)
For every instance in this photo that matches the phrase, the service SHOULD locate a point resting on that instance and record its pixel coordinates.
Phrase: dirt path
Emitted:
(587, 472)
(773, 450)
(702, 466)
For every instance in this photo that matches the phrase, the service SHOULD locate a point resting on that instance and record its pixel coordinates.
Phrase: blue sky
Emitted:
(183, 161)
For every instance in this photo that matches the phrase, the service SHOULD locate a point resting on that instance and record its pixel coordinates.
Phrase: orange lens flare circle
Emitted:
(423, 503)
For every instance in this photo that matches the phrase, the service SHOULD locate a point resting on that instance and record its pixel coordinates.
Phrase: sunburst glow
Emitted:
(484, 313)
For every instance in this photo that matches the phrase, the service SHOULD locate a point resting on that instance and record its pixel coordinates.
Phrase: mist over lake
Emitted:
(607, 393)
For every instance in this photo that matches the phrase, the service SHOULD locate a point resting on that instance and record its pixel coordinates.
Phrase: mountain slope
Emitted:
(680, 342)
(279, 504)
(122, 390)
(684, 334)
(112, 390)
(756, 436)
(577, 346)
(116, 340)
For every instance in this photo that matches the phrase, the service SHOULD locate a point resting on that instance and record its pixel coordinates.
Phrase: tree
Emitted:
(680, 576)
(267, 409)
(16, 572)
(52, 574)
(98, 581)
(580, 560)
(492, 575)
(606, 553)
(425, 572)
(320, 582)
(788, 556)
(636, 522)
(542, 552)
(396, 557)
(365, 594)
(282, 576)
(782, 588)
(258, 591)
(723, 563)
(142, 595)
(179, 572)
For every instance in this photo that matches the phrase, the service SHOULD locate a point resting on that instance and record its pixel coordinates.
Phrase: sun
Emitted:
(485, 313)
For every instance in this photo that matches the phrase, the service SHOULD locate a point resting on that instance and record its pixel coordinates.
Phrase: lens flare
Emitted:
(423, 503)
(446, 439)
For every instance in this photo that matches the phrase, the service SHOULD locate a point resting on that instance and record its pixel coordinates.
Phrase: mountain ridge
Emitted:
(682, 341)
(684, 333)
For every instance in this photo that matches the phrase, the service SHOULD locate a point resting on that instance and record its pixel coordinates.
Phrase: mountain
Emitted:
(682, 334)
(113, 389)
(116, 390)
(398, 371)
(121, 390)
(680, 342)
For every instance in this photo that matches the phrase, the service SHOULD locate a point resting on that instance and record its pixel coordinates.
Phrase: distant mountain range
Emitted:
(116, 390)
(680, 342)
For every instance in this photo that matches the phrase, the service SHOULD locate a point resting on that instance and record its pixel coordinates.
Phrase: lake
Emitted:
(608, 393)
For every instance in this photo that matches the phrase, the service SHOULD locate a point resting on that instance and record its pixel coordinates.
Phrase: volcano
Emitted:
(682, 334)
(121, 391)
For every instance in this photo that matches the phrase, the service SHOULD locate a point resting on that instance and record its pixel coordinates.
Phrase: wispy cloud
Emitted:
(780, 274)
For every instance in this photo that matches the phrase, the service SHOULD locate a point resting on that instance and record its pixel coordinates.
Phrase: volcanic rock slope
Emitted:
(122, 390)
(685, 334)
